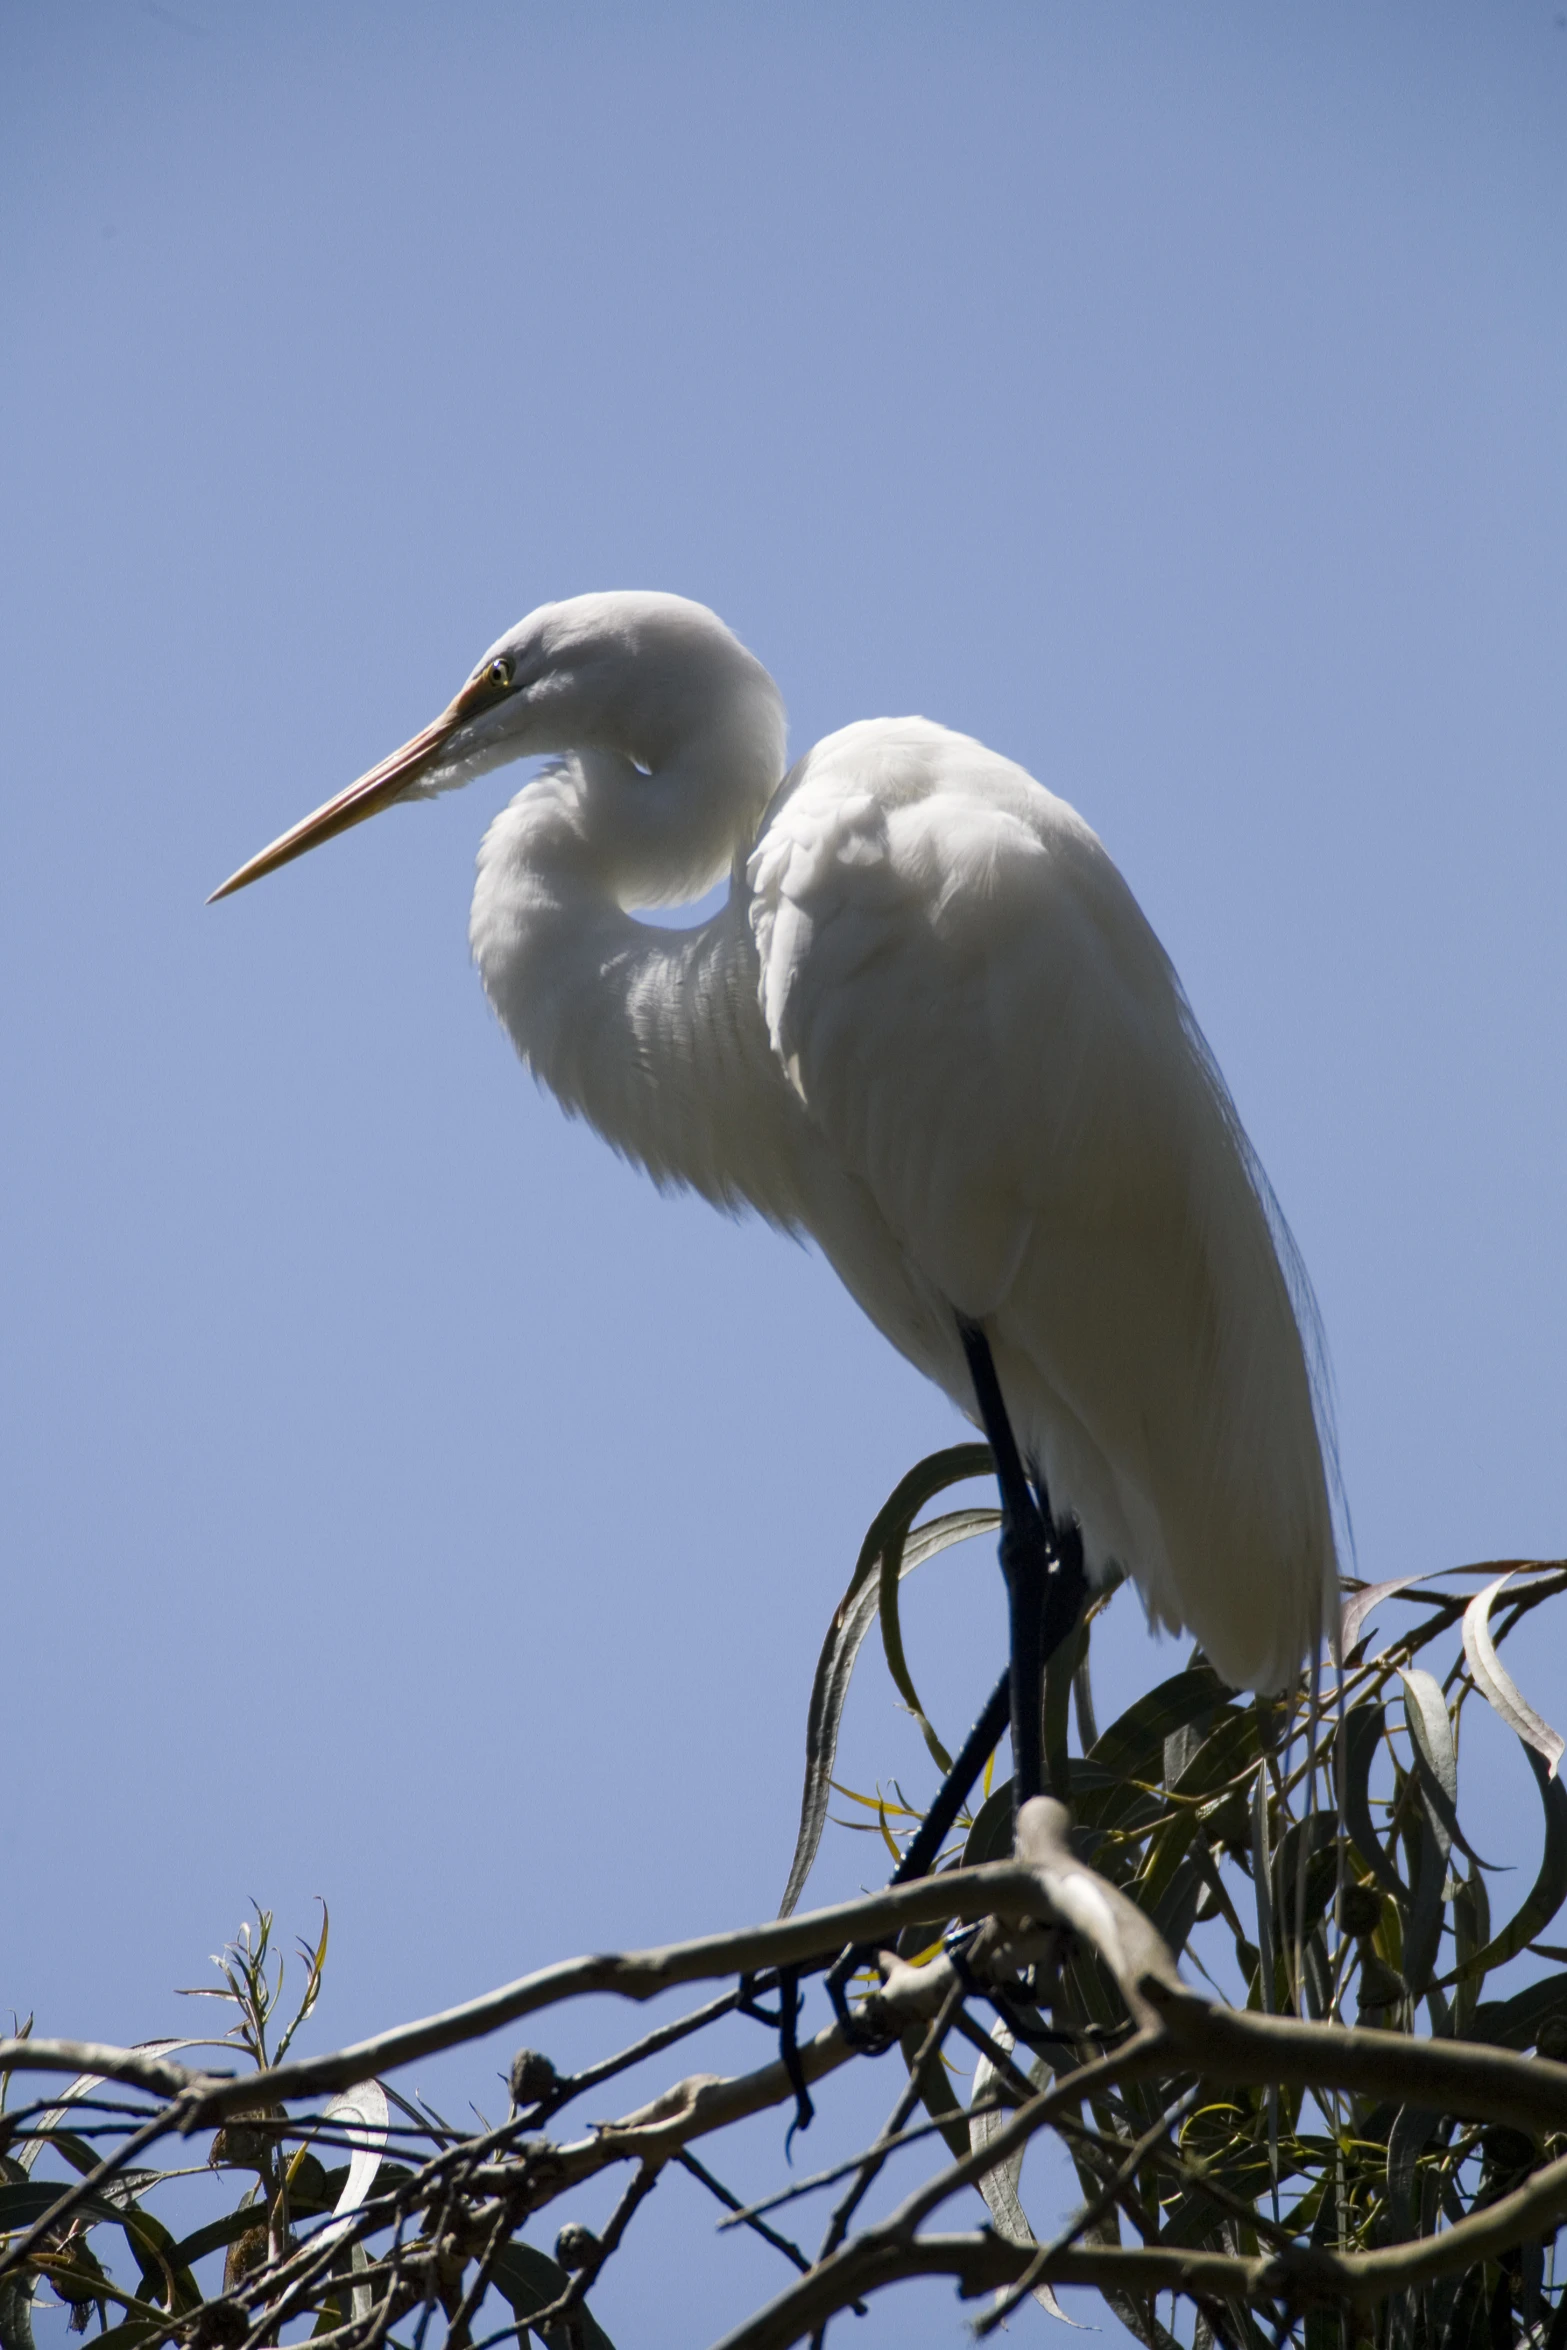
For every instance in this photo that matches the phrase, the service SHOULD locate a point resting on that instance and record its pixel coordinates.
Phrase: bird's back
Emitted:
(993, 1046)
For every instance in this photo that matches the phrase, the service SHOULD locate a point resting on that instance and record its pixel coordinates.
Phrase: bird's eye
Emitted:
(498, 672)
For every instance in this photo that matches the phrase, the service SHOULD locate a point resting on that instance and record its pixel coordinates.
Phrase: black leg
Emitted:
(1043, 1570)
(955, 1789)
(932, 1832)
(1046, 1587)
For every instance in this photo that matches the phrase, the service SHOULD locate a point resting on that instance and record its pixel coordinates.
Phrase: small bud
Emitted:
(576, 2247)
(532, 2077)
(1359, 1908)
(1551, 2039)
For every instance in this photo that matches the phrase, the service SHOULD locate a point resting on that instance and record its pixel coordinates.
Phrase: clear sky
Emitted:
(400, 1500)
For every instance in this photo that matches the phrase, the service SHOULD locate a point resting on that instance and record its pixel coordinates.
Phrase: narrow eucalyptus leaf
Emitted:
(1411, 2134)
(1131, 1751)
(82, 2086)
(1549, 1890)
(216, 2236)
(1167, 1852)
(1262, 1879)
(1358, 1608)
(131, 2332)
(936, 2093)
(887, 1581)
(1423, 1928)
(1519, 2021)
(1175, 1914)
(1497, 1686)
(23, 2202)
(1000, 2186)
(990, 1838)
(855, 1614)
(360, 2116)
(1083, 1693)
(1359, 1740)
(1436, 1761)
(530, 2280)
(1060, 1673)
(1229, 1747)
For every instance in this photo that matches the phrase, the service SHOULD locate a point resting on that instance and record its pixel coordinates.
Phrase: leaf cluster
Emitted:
(1267, 2150)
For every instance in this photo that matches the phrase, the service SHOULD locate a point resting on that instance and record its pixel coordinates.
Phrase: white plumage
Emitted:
(931, 1028)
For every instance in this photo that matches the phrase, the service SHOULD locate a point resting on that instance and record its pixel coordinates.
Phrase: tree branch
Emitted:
(886, 2254)
(998, 1888)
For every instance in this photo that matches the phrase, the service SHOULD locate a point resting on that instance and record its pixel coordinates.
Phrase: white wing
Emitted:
(983, 1028)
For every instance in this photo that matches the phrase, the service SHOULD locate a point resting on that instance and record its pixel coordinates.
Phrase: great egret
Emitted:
(931, 1028)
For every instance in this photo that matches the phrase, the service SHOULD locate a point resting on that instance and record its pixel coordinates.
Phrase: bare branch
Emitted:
(883, 2255)
(1248, 2050)
(1129, 1943)
(741, 2216)
(133, 2066)
(999, 1888)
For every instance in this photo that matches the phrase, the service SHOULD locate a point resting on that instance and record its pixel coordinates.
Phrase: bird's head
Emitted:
(634, 674)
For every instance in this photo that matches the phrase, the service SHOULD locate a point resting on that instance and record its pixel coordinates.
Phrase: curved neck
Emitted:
(655, 1036)
(660, 834)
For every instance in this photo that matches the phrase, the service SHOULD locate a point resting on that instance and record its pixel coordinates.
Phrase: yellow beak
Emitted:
(367, 797)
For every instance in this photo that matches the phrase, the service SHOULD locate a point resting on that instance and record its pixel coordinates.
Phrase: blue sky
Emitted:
(401, 1501)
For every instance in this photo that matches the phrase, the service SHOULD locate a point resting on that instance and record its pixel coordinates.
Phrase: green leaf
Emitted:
(1176, 1913)
(1497, 1686)
(1167, 1851)
(852, 1620)
(1471, 1933)
(218, 2234)
(1295, 1919)
(23, 2202)
(1262, 1880)
(1132, 1749)
(937, 2094)
(1428, 1876)
(358, 2114)
(1360, 1604)
(990, 1838)
(315, 1963)
(530, 2280)
(1430, 1730)
(903, 1553)
(135, 2330)
(1518, 2022)
(1549, 1889)
(999, 2187)
(1060, 1673)
(1356, 1750)
(44, 2127)
(1411, 2134)
(1228, 1748)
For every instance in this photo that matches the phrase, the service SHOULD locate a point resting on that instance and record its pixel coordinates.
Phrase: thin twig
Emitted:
(840, 2170)
(740, 2217)
(462, 2315)
(640, 2186)
(573, 2085)
(74, 2196)
(871, 2162)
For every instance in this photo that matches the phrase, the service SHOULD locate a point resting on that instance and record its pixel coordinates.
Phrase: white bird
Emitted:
(931, 1028)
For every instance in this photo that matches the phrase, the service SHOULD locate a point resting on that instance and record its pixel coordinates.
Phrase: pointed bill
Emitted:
(373, 792)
